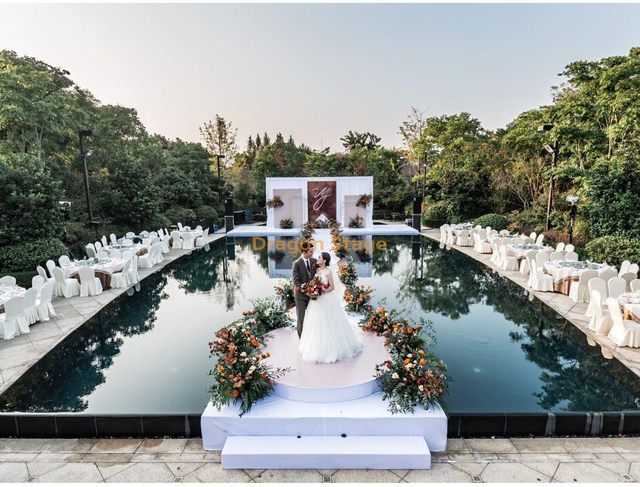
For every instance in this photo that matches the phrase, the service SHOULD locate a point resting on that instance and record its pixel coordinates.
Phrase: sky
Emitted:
(317, 71)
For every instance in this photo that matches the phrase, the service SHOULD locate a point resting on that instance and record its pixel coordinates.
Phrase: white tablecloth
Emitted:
(519, 250)
(114, 265)
(563, 275)
(631, 310)
(133, 248)
(7, 294)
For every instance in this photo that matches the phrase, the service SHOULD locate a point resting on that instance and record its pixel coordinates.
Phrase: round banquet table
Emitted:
(566, 272)
(102, 271)
(7, 294)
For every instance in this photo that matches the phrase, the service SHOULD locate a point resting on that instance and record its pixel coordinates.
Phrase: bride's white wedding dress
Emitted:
(327, 336)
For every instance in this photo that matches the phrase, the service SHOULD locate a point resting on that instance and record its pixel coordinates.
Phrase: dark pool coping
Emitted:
(461, 425)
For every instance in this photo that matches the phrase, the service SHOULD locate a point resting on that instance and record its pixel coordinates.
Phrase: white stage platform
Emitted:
(264, 231)
(367, 416)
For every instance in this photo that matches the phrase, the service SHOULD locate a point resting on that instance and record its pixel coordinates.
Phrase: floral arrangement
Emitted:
(321, 224)
(356, 298)
(378, 320)
(314, 288)
(347, 273)
(268, 314)
(307, 231)
(275, 202)
(337, 241)
(286, 223)
(285, 290)
(357, 222)
(364, 200)
(242, 374)
(412, 375)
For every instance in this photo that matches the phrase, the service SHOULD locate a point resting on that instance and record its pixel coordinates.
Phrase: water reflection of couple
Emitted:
(323, 327)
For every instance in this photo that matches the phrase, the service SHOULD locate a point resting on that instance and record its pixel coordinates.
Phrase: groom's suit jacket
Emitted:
(302, 276)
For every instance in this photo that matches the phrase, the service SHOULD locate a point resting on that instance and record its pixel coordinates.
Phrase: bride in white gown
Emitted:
(327, 336)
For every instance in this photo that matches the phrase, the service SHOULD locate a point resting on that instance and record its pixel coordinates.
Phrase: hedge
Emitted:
(496, 222)
(26, 256)
(613, 250)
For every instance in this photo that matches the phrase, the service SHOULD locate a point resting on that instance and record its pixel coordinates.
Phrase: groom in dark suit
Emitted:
(303, 270)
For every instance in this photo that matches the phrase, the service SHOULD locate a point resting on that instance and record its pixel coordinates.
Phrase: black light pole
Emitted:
(572, 214)
(424, 177)
(84, 154)
(218, 157)
(553, 150)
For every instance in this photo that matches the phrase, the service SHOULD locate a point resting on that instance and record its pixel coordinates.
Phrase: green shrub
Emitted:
(204, 211)
(181, 215)
(27, 255)
(526, 221)
(437, 214)
(613, 250)
(496, 222)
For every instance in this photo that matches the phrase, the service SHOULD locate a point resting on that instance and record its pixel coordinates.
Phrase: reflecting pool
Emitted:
(148, 353)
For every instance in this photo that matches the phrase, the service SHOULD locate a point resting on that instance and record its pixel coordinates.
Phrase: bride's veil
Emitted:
(336, 281)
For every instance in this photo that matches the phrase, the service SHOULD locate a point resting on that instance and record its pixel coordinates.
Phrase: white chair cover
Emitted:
(121, 279)
(187, 242)
(64, 260)
(13, 318)
(113, 239)
(579, 291)
(556, 256)
(629, 277)
(571, 256)
(540, 239)
(133, 271)
(509, 263)
(600, 285)
(8, 281)
(65, 287)
(90, 285)
(37, 282)
(624, 267)
(601, 320)
(624, 333)
(43, 305)
(617, 286)
(104, 241)
(177, 240)
(560, 247)
(569, 248)
(30, 311)
(607, 274)
(115, 254)
(635, 286)
(103, 254)
(634, 268)
(202, 240)
(50, 266)
(127, 254)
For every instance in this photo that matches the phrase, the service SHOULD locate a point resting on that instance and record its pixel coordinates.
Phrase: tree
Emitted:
(357, 140)
(412, 130)
(220, 140)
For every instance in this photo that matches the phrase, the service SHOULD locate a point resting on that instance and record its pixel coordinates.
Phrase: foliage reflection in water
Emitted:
(148, 353)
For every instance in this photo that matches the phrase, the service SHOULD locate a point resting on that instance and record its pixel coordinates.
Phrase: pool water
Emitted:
(148, 352)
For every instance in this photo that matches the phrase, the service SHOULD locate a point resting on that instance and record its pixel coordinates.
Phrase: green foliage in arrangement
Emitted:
(496, 222)
(613, 250)
(30, 253)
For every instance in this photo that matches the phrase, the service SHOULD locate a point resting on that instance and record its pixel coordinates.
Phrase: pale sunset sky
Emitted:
(317, 71)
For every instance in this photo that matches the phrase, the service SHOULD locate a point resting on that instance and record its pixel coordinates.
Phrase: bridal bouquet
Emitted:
(314, 288)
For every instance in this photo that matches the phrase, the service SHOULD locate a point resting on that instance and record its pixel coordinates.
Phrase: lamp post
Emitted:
(573, 200)
(84, 154)
(553, 150)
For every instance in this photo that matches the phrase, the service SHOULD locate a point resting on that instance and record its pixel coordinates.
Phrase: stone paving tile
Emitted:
(491, 446)
(11, 445)
(72, 473)
(162, 446)
(585, 472)
(116, 445)
(457, 446)
(110, 469)
(59, 457)
(40, 468)
(545, 468)
(440, 472)
(182, 469)
(144, 472)
(13, 472)
(212, 472)
(70, 446)
(539, 445)
(368, 476)
(634, 471)
(512, 472)
(298, 476)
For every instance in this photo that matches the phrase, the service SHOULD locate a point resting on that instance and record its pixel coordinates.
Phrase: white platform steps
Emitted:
(326, 452)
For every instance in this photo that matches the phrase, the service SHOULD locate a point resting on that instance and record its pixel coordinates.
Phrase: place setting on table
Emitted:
(630, 304)
(8, 292)
(519, 251)
(103, 268)
(137, 249)
(458, 228)
(564, 272)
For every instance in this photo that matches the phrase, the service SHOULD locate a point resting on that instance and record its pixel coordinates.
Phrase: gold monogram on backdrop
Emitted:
(321, 197)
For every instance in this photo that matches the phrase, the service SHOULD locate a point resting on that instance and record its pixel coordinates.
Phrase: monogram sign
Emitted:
(322, 199)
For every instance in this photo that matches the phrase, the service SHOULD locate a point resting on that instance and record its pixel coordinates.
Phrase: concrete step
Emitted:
(326, 452)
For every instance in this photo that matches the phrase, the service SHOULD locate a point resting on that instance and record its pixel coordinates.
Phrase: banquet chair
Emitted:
(624, 333)
(529, 241)
(164, 244)
(147, 260)
(579, 290)
(496, 257)
(43, 304)
(629, 277)
(540, 239)
(600, 285)
(540, 281)
(37, 282)
(68, 287)
(607, 273)
(50, 266)
(127, 255)
(635, 286)
(187, 241)
(509, 263)
(121, 279)
(64, 260)
(507, 241)
(533, 235)
(443, 233)
(571, 256)
(115, 254)
(482, 246)
(518, 241)
(179, 226)
(153, 234)
(144, 234)
(13, 314)
(104, 241)
(202, 241)
(624, 267)
(113, 239)
(90, 285)
(8, 281)
(569, 248)
(601, 319)
(158, 258)
(488, 230)
(103, 254)
(617, 286)
(161, 233)
(98, 246)
(127, 241)
(560, 247)
(525, 268)
(462, 241)
(133, 271)
(491, 233)
(90, 250)
(199, 228)
(556, 256)
(30, 311)
(504, 233)
(530, 257)
(634, 268)
(129, 234)
(451, 237)
(43, 274)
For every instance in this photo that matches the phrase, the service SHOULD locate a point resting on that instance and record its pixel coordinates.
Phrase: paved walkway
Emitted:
(180, 460)
(573, 312)
(20, 353)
